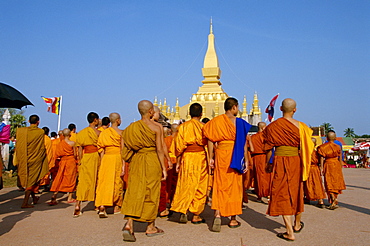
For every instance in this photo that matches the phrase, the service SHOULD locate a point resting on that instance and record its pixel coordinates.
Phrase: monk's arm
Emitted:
(211, 154)
(249, 140)
(268, 157)
(80, 153)
(123, 161)
(178, 162)
(321, 164)
(246, 160)
(160, 151)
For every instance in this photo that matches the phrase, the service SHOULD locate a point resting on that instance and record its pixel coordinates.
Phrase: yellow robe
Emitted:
(192, 183)
(142, 196)
(30, 156)
(110, 184)
(73, 137)
(88, 169)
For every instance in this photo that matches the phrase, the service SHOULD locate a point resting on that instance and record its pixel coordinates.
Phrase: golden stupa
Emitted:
(210, 95)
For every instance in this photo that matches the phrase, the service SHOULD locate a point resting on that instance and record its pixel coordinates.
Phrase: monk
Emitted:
(168, 186)
(87, 141)
(105, 123)
(65, 181)
(45, 181)
(72, 127)
(262, 178)
(110, 184)
(192, 183)
(162, 208)
(228, 183)
(248, 177)
(144, 150)
(30, 157)
(331, 168)
(313, 188)
(287, 136)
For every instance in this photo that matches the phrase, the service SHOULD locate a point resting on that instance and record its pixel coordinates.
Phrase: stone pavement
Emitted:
(46, 225)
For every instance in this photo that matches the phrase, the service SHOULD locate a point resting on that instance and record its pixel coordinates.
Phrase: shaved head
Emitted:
(66, 132)
(113, 117)
(174, 127)
(331, 136)
(157, 113)
(156, 109)
(314, 141)
(60, 133)
(261, 126)
(288, 105)
(144, 106)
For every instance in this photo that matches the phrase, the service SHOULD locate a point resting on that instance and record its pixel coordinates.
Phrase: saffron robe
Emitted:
(144, 180)
(65, 180)
(227, 183)
(313, 188)
(88, 169)
(286, 189)
(192, 183)
(332, 169)
(73, 137)
(110, 184)
(30, 156)
(49, 154)
(262, 178)
(168, 186)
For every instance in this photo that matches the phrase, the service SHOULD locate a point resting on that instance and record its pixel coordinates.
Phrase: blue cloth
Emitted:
(237, 159)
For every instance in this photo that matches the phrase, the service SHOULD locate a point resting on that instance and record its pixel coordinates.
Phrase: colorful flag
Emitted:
(270, 108)
(53, 104)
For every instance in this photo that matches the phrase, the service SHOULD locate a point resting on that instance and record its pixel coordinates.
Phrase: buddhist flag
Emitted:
(53, 104)
(270, 108)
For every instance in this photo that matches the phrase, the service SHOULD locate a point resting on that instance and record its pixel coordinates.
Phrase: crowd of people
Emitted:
(151, 169)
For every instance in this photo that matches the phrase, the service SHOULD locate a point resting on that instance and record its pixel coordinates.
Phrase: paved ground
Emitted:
(45, 225)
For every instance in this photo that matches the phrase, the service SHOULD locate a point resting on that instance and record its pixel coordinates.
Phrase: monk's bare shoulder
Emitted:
(293, 121)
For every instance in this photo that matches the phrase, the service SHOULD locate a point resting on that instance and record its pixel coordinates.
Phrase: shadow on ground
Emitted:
(11, 204)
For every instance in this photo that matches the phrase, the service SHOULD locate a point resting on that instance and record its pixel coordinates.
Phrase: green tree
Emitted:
(17, 119)
(349, 132)
(327, 127)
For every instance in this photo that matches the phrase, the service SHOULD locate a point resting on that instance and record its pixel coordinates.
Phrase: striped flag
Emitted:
(53, 104)
(270, 108)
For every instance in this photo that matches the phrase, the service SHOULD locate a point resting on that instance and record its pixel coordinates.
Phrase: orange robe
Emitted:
(110, 185)
(192, 183)
(286, 190)
(30, 156)
(332, 169)
(49, 154)
(168, 186)
(88, 169)
(54, 168)
(313, 188)
(262, 178)
(227, 184)
(65, 180)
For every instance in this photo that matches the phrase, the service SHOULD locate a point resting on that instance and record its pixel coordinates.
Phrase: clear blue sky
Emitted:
(105, 56)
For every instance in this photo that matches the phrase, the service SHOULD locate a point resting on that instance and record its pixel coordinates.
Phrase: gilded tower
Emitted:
(210, 95)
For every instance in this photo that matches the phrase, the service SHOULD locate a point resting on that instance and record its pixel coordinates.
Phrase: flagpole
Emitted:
(60, 112)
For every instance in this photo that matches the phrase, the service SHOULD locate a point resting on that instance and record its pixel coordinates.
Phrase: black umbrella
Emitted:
(12, 98)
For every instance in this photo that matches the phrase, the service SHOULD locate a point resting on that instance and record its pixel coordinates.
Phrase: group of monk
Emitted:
(144, 172)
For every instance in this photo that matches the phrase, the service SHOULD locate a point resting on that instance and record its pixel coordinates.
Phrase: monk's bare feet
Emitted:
(151, 232)
(285, 236)
(164, 213)
(35, 200)
(117, 210)
(77, 212)
(234, 224)
(27, 206)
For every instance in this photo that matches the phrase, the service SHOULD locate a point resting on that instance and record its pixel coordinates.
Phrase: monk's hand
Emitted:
(164, 171)
(170, 165)
(212, 163)
(178, 167)
(245, 169)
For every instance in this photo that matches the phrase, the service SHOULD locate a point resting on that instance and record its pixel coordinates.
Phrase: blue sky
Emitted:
(105, 56)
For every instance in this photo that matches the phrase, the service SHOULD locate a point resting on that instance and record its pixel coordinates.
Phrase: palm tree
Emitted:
(327, 127)
(349, 132)
(16, 120)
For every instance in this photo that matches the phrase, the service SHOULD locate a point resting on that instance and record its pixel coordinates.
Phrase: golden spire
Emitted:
(256, 109)
(164, 108)
(160, 105)
(211, 28)
(244, 114)
(211, 70)
(177, 108)
(155, 102)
